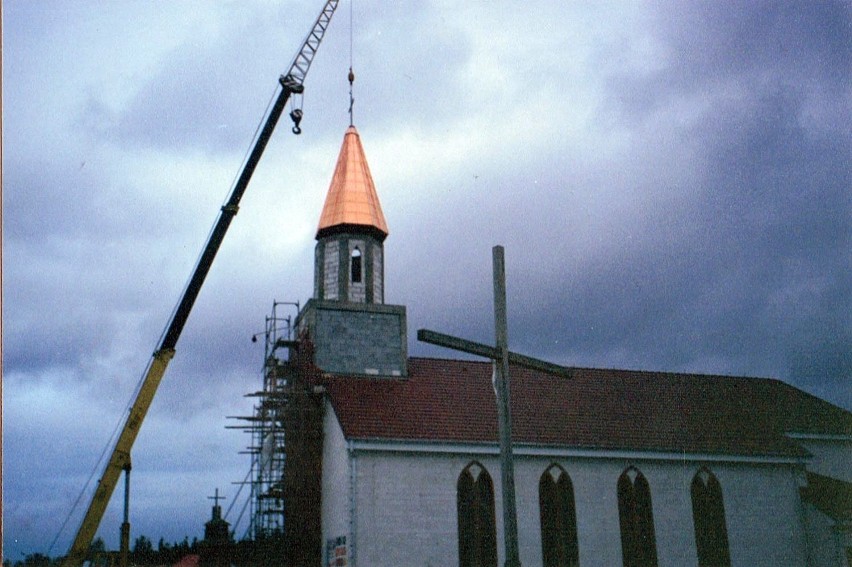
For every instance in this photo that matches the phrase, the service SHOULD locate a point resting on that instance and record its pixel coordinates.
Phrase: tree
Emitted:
(143, 551)
(35, 560)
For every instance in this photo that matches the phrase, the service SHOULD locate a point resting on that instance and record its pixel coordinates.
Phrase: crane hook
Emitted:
(351, 98)
(296, 116)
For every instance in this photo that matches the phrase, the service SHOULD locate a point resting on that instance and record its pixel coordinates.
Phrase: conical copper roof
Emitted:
(352, 198)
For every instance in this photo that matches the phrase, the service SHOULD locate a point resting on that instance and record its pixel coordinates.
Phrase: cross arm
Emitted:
(486, 351)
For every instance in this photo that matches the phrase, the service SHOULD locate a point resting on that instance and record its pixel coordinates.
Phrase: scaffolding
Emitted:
(266, 426)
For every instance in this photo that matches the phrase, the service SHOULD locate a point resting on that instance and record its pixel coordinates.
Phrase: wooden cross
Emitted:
(501, 357)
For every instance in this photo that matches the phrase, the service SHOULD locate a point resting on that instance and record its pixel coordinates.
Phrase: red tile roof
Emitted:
(453, 401)
(188, 561)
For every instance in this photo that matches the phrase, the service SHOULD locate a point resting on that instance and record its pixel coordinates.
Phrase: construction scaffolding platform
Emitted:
(267, 448)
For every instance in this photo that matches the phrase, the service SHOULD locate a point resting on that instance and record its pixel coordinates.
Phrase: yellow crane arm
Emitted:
(119, 459)
(291, 82)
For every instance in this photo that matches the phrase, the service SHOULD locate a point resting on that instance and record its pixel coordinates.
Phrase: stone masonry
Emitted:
(363, 339)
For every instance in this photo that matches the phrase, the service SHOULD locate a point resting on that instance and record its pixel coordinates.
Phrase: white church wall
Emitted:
(823, 545)
(335, 481)
(406, 515)
(761, 507)
(764, 514)
(406, 508)
(596, 503)
(830, 456)
(596, 495)
(526, 504)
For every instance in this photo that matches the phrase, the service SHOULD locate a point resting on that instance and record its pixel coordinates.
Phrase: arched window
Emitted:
(638, 543)
(558, 519)
(477, 527)
(355, 267)
(708, 515)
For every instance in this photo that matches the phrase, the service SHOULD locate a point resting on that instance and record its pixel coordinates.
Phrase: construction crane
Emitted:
(291, 83)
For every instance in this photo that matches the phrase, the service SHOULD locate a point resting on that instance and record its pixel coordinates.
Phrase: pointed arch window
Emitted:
(636, 518)
(708, 515)
(558, 518)
(355, 265)
(477, 527)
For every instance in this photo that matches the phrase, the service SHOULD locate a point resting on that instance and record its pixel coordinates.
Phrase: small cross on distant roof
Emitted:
(215, 498)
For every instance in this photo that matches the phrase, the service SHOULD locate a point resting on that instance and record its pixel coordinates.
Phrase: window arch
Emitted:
(636, 518)
(558, 518)
(477, 527)
(708, 515)
(355, 265)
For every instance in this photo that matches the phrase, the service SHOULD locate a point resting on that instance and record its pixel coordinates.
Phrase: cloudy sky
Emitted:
(671, 181)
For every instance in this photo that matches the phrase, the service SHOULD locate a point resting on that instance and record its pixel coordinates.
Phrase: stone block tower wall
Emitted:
(364, 339)
(349, 267)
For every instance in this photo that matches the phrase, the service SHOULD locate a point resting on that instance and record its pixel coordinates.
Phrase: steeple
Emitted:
(352, 330)
(349, 261)
(352, 204)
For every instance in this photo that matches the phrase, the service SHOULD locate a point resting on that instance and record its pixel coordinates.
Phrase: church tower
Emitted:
(351, 328)
(349, 253)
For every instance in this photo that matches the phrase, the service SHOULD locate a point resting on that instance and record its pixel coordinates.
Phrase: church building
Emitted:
(394, 460)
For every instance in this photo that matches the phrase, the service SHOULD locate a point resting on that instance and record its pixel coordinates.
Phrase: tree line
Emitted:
(267, 551)
(143, 553)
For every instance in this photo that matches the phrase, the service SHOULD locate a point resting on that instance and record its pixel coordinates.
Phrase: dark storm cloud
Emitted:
(710, 45)
(778, 198)
(76, 293)
(713, 40)
(741, 266)
(752, 276)
(775, 197)
(60, 194)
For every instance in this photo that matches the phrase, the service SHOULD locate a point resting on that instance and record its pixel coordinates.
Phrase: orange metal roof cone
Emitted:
(352, 200)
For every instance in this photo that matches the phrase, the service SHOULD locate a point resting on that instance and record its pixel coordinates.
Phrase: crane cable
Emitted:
(351, 74)
(99, 463)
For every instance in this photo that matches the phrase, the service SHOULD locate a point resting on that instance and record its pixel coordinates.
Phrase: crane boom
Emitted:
(292, 82)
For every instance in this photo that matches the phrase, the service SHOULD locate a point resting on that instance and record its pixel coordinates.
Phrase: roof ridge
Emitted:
(813, 397)
(628, 370)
